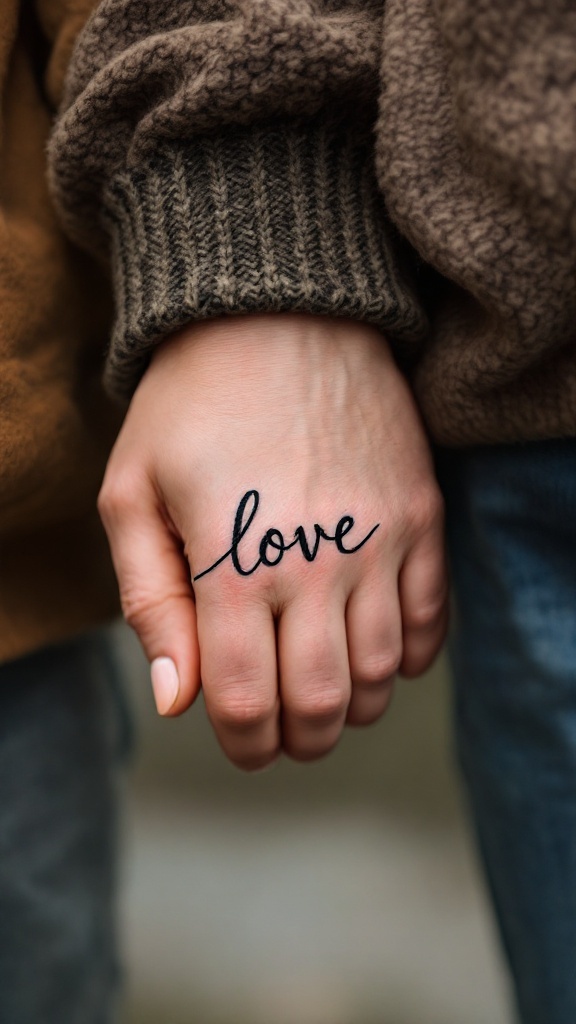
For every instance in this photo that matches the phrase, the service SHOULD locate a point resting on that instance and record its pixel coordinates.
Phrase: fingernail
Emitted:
(165, 684)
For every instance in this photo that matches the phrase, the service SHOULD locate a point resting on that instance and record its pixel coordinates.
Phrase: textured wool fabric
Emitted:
(476, 154)
(220, 240)
(225, 151)
(56, 423)
(233, 166)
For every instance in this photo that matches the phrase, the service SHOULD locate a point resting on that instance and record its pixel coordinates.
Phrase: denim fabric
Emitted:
(512, 536)
(62, 737)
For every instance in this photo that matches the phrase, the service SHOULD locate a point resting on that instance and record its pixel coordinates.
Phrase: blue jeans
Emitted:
(512, 536)
(62, 737)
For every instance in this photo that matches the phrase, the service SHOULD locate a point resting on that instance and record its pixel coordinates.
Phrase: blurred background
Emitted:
(342, 892)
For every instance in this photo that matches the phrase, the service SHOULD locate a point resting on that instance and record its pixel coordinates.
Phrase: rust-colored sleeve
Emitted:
(60, 22)
(54, 300)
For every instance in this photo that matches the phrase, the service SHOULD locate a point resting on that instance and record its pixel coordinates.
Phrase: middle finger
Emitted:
(314, 675)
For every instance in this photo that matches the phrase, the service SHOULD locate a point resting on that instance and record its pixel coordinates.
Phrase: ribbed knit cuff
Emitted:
(277, 217)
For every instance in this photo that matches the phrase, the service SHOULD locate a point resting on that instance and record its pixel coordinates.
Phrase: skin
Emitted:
(312, 413)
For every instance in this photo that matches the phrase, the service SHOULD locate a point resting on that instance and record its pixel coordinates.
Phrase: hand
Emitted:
(284, 454)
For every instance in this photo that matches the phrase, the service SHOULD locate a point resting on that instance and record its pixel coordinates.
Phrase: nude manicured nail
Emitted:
(165, 684)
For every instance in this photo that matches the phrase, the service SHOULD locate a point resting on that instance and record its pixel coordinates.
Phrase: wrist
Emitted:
(228, 339)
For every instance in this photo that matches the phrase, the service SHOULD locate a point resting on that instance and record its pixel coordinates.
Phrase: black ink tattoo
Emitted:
(273, 546)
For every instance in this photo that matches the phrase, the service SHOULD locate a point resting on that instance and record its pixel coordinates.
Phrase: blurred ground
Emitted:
(343, 892)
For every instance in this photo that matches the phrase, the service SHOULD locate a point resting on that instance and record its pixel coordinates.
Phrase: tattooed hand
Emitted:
(276, 529)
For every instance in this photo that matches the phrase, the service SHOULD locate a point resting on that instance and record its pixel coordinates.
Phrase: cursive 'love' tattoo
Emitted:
(273, 546)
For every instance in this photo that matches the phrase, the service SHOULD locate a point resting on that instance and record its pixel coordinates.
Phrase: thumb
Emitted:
(155, 589)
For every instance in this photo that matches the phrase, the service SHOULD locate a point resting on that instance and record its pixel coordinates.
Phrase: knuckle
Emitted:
(323, 704)
(376, 669)
(426, 510)
(137, 609)
(428, 614)
(142, 610)
(241, 708)
(117, 495)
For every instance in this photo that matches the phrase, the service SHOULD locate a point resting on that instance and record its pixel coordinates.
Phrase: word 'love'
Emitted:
(273, 546)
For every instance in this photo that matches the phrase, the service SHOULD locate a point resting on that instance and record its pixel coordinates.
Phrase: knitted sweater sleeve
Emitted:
(219, 153)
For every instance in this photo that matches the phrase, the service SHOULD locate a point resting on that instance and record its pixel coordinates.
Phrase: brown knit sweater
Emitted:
(56, 425)
(226, 151)
(407, 163)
